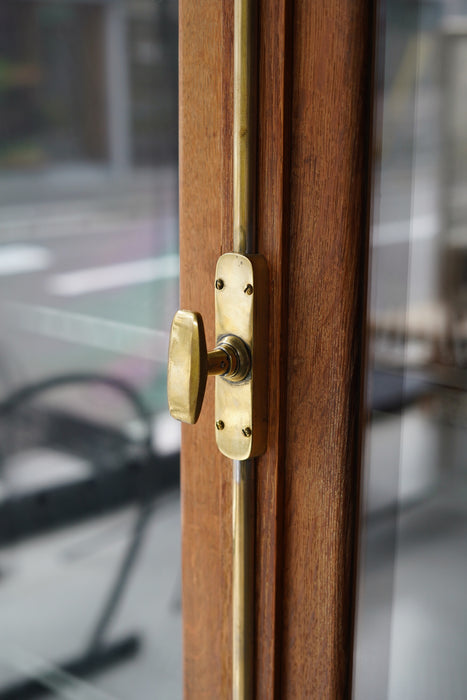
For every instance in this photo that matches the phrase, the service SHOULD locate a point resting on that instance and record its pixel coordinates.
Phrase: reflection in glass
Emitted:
(89, 511)
(412, 608)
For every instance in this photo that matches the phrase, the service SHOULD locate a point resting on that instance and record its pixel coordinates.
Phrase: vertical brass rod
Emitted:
(243, 515)
(243, 506)
(243, 127)
(243, 518)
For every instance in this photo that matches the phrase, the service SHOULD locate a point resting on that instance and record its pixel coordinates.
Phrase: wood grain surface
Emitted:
(314, 62)
(327, 268)
(205, 587)
(272, 207)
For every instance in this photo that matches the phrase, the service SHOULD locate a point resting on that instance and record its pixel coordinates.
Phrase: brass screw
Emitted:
(219, 284)
(220, 425)
(246, 432)
(248, 289)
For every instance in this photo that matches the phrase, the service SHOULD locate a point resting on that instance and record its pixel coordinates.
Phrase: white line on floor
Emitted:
(96, 279)
(91, 331)
(16, 259)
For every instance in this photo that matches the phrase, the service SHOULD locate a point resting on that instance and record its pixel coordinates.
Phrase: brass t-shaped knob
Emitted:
(190, 364)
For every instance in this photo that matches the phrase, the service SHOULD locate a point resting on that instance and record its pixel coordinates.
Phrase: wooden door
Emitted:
(314, 97)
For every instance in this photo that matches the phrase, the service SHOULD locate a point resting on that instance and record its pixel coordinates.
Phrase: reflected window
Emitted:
(411, 613)
(89, 459)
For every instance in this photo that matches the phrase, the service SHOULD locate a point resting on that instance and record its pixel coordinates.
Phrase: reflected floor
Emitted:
(60, 583)
(412, 619)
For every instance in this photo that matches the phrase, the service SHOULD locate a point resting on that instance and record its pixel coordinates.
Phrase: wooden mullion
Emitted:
(272, 206)
(331, 125)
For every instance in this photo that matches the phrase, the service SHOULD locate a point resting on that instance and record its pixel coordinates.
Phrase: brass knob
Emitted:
(190, 364)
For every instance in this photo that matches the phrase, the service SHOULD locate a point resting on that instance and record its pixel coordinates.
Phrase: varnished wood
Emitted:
(313, 132)
(328, 187)
(274, 133)
(205, 585)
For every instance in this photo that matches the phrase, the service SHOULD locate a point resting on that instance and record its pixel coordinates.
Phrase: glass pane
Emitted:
(412, 607)
(89, 458)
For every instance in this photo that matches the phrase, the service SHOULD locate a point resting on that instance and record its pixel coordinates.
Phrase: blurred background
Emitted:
(89, 463)
(412, 604)
(89, 504)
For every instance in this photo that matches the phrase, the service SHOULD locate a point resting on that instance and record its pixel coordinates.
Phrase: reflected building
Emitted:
(88, 285)
(88, 82)
(409, 643)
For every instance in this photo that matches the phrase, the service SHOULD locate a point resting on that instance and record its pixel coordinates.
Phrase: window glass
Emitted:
(89, 458)
(412, 597)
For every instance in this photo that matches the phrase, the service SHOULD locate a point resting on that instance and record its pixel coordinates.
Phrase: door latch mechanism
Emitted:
(239, 360)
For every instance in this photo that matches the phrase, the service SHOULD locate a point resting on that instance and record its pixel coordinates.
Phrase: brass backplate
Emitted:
(241, 291)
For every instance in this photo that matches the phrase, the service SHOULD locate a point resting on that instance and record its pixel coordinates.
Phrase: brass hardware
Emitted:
(243, 316)
(218, 361)
(238, 361)
(219, 284)
(243, 518)
(187, 367)
(190, 364)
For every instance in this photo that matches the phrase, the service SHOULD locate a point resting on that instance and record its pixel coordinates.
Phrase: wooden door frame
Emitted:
(314, 123)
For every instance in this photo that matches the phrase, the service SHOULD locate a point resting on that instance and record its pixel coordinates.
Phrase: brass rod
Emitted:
(243, 505)
(243, 517)
(218, 361)
(243, 128)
